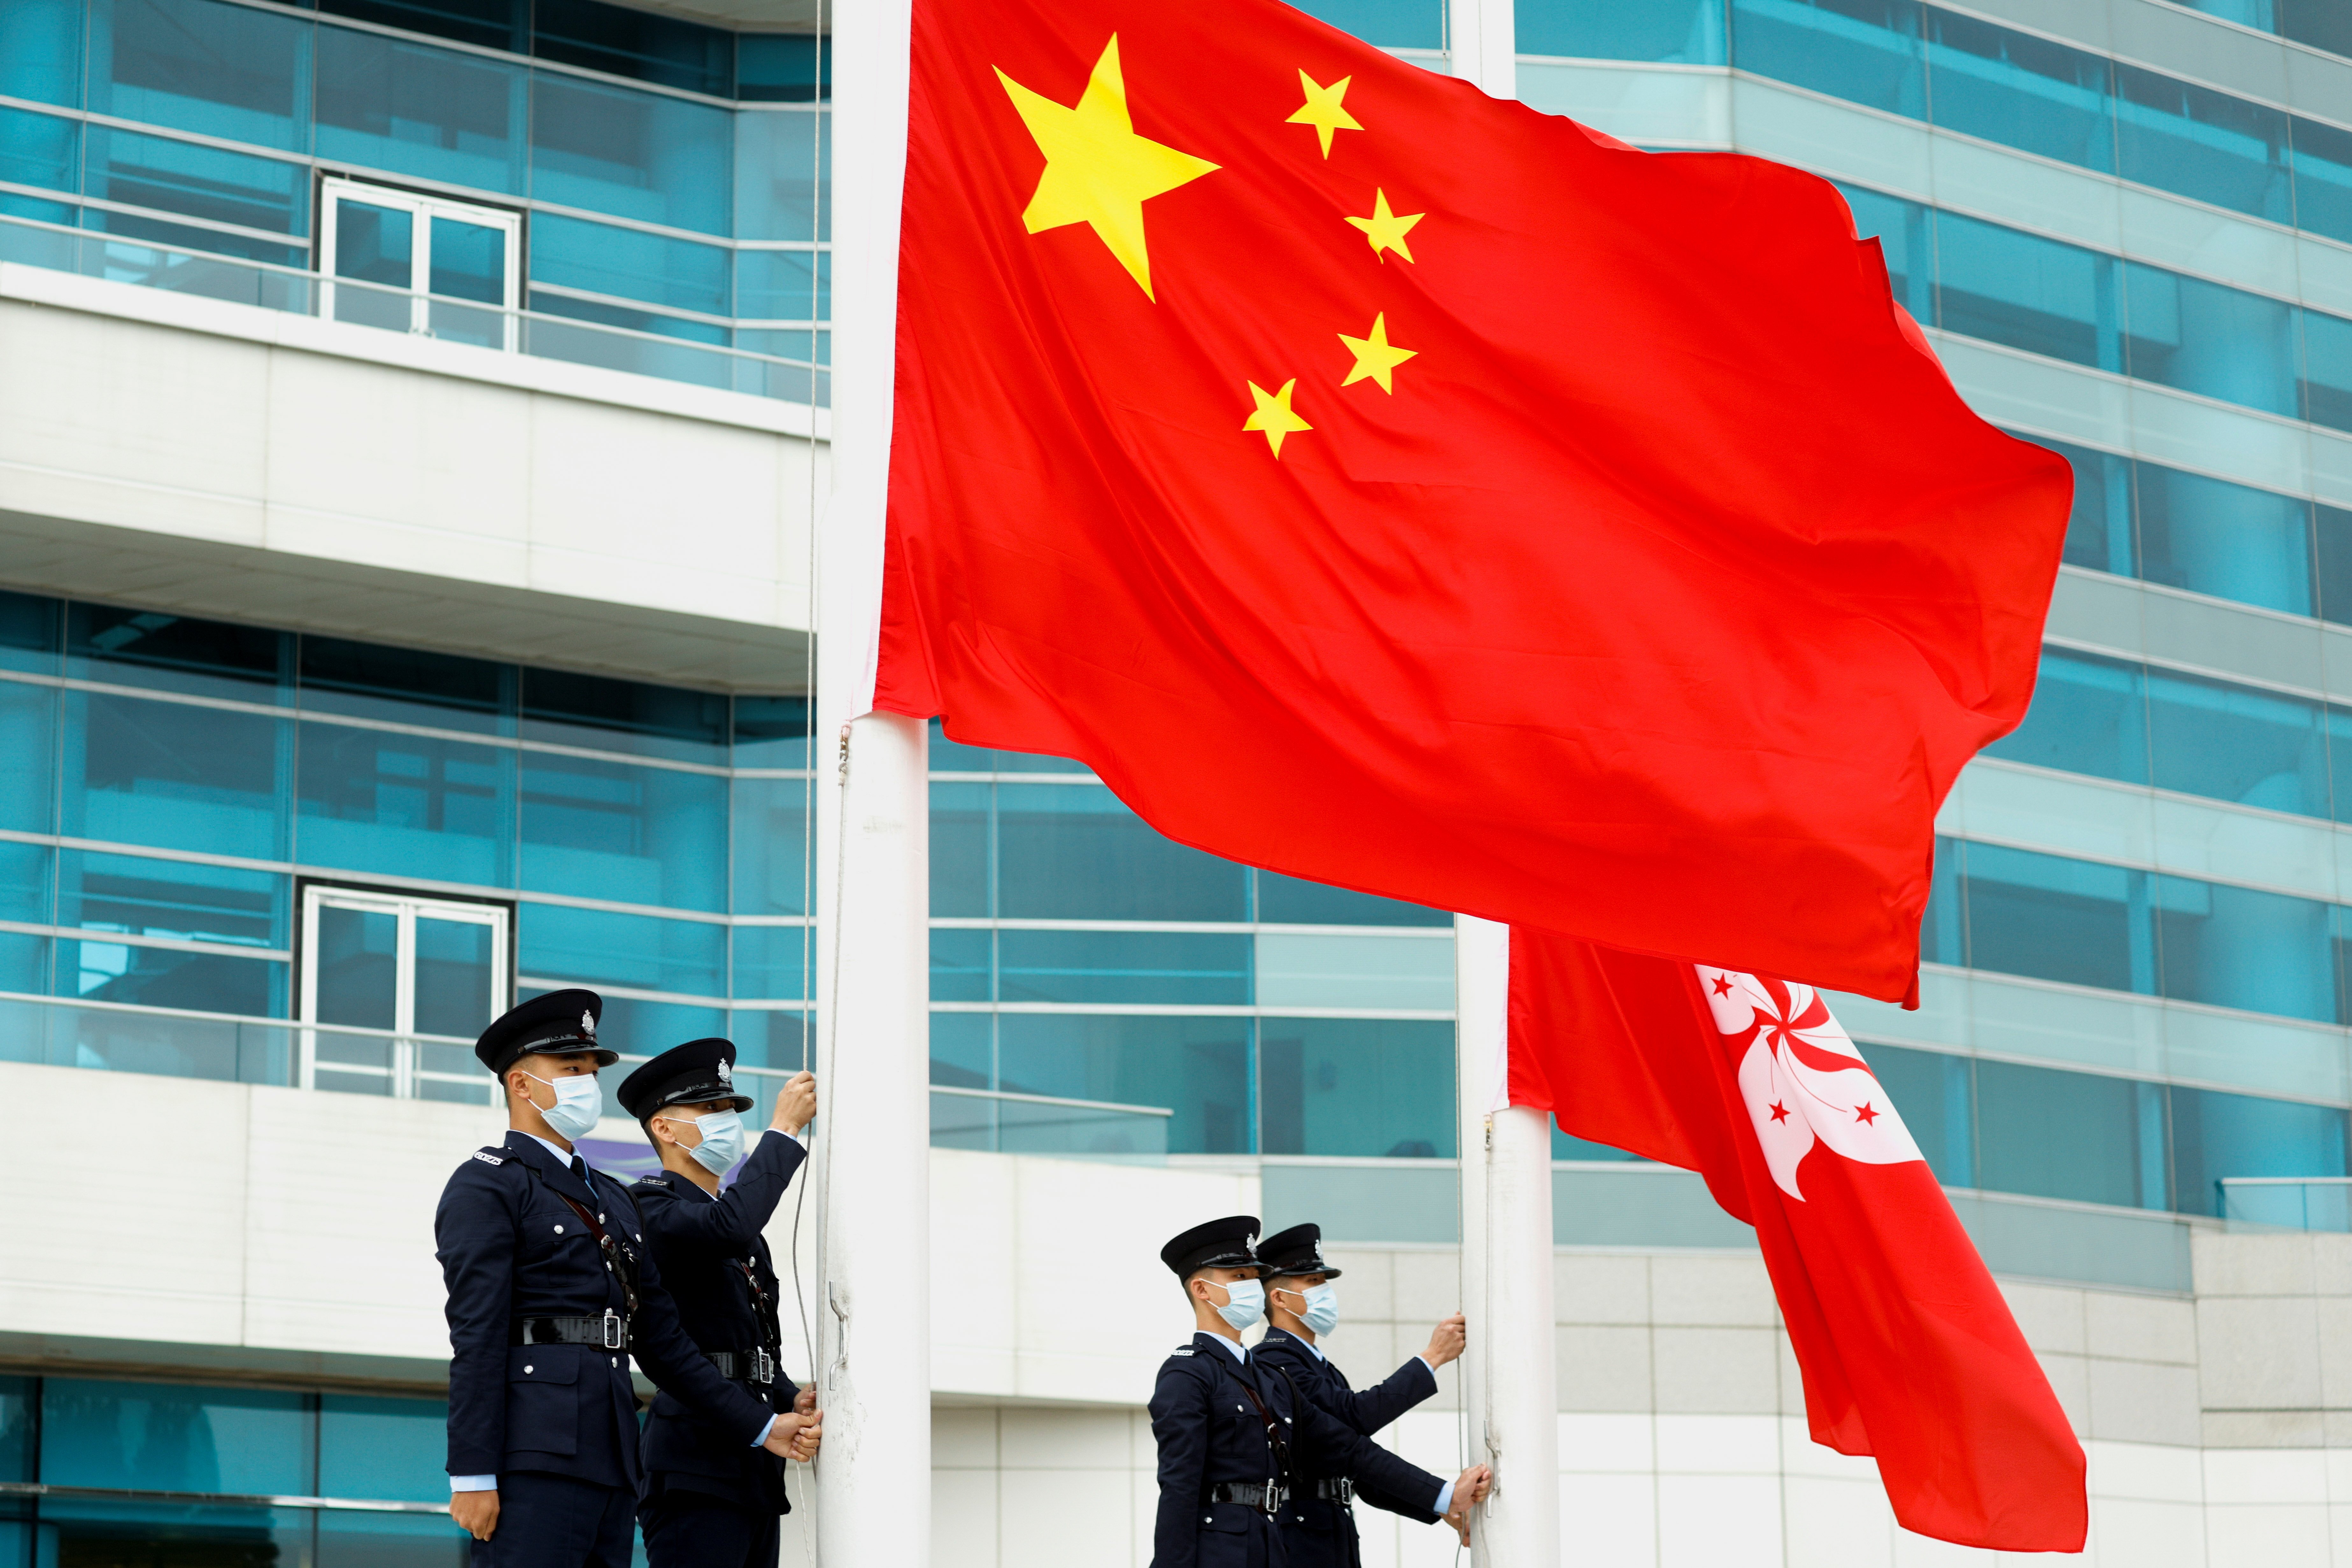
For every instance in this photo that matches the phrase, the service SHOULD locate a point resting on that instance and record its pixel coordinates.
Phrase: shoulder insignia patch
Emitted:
(486, 1158)
(650, 1181)
(1182, 1350)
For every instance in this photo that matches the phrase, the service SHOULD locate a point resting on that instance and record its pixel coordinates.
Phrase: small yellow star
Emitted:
(1386, 229)
(1375, 356)
(1323, 111)
(1272, 414)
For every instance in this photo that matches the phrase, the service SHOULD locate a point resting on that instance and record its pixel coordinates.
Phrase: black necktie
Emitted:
(579, 1169)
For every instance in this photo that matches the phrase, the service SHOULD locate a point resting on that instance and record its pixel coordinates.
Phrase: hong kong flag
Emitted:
(1392, 486)
(1908, 1352)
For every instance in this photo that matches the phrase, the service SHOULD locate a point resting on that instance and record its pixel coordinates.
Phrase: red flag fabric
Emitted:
(1392, 486)
(1908, 1351)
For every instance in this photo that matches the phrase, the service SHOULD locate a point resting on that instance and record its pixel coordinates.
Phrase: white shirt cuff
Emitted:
(490, 1484)
(1424, 1360)
(1446, 1499)
(762, 1438)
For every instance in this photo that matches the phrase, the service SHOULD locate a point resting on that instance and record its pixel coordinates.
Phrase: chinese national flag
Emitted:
(1908, 1351)
(1397, 487)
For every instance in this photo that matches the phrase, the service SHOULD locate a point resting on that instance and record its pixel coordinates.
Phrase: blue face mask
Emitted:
(579, 1104)
(722, 1141)
(1245, 1304)
(1321, 1310)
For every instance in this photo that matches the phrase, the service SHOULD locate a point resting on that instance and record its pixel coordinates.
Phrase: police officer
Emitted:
(1318, 1528)
(707, 1501)
(1234, 1435)
(551, 1291)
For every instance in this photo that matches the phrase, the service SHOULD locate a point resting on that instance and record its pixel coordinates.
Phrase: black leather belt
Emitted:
(1264, 1495)
(609, 1331)
(1336, 1489)
(744, 1366)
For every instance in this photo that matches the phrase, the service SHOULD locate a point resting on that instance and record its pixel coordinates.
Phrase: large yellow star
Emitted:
(1274, 416)
(1099, 171)
(1375, 356)
(1386, 229)
(1323, 109)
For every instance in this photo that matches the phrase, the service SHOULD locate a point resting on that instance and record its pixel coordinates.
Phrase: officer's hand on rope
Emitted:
(795, 1436)
(1445, 1341)
(477, 1514)
(1470, 1489)
(796, 1104)
(804, 1402)
(804, 1445)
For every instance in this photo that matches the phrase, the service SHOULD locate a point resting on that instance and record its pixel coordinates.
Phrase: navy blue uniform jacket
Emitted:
(1321, 1533)
(511, 1249)
(698, 1239)
(1209, 1432)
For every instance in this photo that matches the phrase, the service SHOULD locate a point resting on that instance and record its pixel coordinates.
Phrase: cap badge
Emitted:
(726, 1079)
(588, 1023)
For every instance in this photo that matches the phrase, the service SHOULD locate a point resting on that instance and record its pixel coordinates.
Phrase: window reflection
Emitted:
(175, 777)
(1350, 1087)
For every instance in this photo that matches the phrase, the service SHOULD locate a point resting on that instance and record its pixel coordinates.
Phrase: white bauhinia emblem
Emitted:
(1801, 1077)
(726, 1079)
(588, 1023)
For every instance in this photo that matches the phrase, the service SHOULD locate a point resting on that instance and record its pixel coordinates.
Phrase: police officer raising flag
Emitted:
(1318, 1528)
(1238, 1440)
(552, 1290)
(707, 1500)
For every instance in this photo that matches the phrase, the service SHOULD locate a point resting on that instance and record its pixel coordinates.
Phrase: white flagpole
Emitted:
(872, 1300)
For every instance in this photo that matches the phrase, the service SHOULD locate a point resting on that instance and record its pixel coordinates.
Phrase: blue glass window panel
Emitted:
(768, 1037)
(1865, 51)
(136, 262)
(592, 947)
(17, 1452)
(40, 51)
(1390, 24)
(2035, 294)
(1355, 1087)
(1683, 32)
(2055, 1134)
(631, 155)
(1936, 1094)
(783, 67)
(24, 881)
(468, 262)
(960, 851)
(2099, 529)
(198, 181)
(77, 1531)
(408, 685)
(2054, 918)
(232, 71)
(375, 243)
(782, 185)
(2323, 178)
(176, 777)
(2089, 716)
(963, 1048)
(28, 730)
(490, 24)
(2234, 542)
(24, 968)
(1074, 852)
(1184, 968)
(382, 1449)
(1901, 229)
(1287, 900)
(405, 805)
(162, 1437)
(644, 1028)
(2331, 528)
(1198, 1067)
(30, 627)
(642, 45)
(675, 365)
(2322, 24)
(629, 834)
(2237, 743)
(133, 895)
(2237, 947)
(2327, 382)
(1943, 926)
(2216, 1135)
(628, 263)
(783, 285)
(39, 149)
(176, 653)
(2213, 146)
(2014, 88)
(1567, 1146)
(774, 961)
(772, 732)
(2204, 338)
(772, 828)
(63, 214)
(963, 965)
(411, 109)
(411, 1541)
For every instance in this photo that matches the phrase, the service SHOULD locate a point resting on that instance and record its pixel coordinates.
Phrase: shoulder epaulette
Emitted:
(1182, 1350)
(486, 1158)
(647, 1182)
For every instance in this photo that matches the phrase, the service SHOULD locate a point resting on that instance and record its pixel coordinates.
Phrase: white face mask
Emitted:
(1245, 1304)
(722, 1140)
(1321, 1311)
(578, 1103)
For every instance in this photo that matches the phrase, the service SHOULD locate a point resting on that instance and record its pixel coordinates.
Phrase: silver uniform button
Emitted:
(558, 1230)
(529, 1370)
(616, 1360)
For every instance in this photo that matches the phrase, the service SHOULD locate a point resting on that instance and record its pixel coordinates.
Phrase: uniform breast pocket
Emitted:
(543, 1399)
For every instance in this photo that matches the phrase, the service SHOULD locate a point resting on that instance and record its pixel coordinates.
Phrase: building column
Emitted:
(1507, 1375)
(872, 1151)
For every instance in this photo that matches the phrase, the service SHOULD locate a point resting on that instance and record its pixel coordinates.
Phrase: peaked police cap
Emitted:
(690, 1074)
(552, 1025)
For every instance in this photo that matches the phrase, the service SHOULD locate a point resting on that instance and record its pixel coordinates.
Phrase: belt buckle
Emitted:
(1271, 1502)
(763, 1366)
(615, 1331)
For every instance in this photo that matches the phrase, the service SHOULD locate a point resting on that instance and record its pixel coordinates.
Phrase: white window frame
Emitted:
(422, 209)
(404, 1071)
